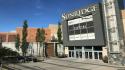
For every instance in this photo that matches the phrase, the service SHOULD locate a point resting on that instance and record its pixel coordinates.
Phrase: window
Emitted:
(81, 28)
(91, 30)
(89, 24)
(100, 55)
(71, 32)
(83, 25)
(96, 55)
(71, 28)
(69, 53)
(83, 31)
(86, 55)
(76, 27)
(77, 31)
(90, 55)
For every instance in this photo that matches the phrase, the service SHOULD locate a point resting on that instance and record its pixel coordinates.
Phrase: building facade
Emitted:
(95, 31)
(114, 30)
(8, 40)
(83, 33)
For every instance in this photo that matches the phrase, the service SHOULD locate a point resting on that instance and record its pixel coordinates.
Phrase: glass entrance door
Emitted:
(88, 55)
(78, 53)
(97, 55)
(71, 53)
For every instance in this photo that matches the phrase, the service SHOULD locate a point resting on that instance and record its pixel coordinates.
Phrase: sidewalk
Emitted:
(54, 63)
(4, 68)
(88, 61)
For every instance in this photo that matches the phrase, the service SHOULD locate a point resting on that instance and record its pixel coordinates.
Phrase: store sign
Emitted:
(79, 12)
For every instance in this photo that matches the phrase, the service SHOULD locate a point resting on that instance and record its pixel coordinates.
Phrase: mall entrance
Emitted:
(86, 52)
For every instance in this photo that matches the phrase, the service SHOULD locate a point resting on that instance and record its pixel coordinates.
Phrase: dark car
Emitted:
(29, 58)
(24, 58)
(21, 58)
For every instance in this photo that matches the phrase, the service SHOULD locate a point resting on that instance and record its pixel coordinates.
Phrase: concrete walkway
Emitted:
(64, 64)
(88, 61)
(85, 64)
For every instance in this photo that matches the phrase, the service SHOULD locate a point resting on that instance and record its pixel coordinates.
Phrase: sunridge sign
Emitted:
(79, 12)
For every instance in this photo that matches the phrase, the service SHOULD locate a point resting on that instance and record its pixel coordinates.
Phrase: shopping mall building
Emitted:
(95, 31)
(8, 40)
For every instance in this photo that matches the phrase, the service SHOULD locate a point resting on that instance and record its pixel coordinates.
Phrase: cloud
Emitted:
(39, 4)
(13, 31)
(39, 7)
(37, 14)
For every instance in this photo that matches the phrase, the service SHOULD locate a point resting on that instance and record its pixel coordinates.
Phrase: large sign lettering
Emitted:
(79, 12)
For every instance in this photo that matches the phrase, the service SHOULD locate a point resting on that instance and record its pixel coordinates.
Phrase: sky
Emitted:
(38, 13)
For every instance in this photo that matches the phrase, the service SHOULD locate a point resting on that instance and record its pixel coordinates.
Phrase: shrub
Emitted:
(62, 56)
(105, 59)
(7, 52)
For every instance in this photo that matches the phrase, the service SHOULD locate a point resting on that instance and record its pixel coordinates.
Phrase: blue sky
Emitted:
(39, 13)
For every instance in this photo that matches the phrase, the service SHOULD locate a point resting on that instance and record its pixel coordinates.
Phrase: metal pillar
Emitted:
(98, 55)
(93, 57)
(83, 52)
(68, 52)
(54, 48)
(74, 52)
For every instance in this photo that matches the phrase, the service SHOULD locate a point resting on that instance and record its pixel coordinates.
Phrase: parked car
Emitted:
(21, 58)
(18, 59)
(27, 58)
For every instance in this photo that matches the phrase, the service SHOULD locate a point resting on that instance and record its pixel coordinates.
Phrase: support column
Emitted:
(93, 57)
(83, 52)
(68, 52)
(88, 55)
(54, 48)
(98, 55)
(74, 52)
